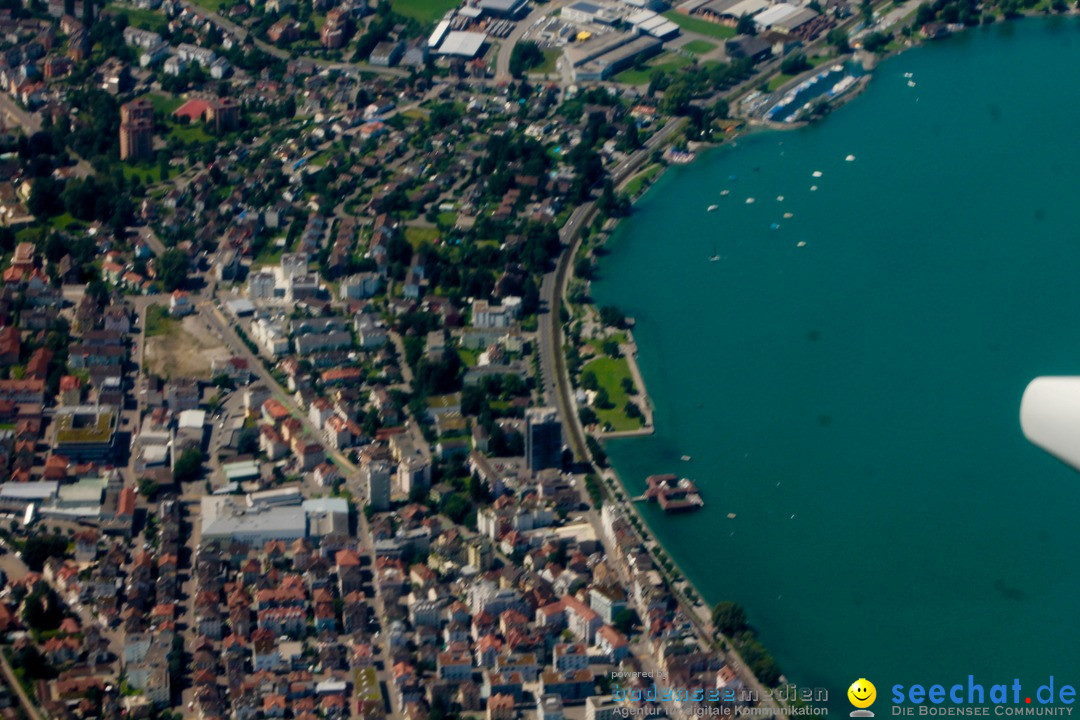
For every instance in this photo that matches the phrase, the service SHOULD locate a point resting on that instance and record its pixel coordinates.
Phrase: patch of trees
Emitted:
(456, 506)
(611, 316)
(189, 465)
(172, 268)
(794, 64)
(439, 376)
(504, 151)
(524, 57)
(596, 495)
(730, 619)
(32, 663)
(958, 11)
(96, 129)
(41, 547)
(876, 41)
(746, 25)
(598, 454)
(610, 204)
(97, 198)
(838, 38)
(42, 609)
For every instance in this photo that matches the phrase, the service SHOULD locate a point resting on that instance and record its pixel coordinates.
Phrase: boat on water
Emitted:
(712, 208)
(725, 192)
(750, 201)
(817, 173)
(849, 158)
(712, 258)
(841, 87)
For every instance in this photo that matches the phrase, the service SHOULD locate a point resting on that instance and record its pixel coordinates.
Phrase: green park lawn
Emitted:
(699, 47)
(609, 373)
(551, 56)
(62, 220)
(417, 236)
(699, 26)
(137, 17)
(165, 104)
(148, 172)
(638, 183)
(158, 321)
(668, 62)
(597, 344)
(425, 11)
(212, 5)
(468, 356)
(193, 134)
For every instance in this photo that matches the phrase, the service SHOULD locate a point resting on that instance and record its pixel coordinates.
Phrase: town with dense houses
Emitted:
(302, 394)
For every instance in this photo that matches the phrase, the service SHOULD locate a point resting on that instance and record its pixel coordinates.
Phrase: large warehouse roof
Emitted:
(463, 44)
(225, 516)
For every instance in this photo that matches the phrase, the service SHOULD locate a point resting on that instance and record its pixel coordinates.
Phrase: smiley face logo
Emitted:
(862, 693)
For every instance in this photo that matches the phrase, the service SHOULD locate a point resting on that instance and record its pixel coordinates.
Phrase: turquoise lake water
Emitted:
(855, 401)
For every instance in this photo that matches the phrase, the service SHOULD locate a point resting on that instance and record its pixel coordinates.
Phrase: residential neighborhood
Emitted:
(302, 391)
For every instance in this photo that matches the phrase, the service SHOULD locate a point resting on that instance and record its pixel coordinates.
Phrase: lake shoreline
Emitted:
(703, 149)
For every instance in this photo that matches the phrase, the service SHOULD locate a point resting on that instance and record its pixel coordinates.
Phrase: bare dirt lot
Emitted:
(186, 348)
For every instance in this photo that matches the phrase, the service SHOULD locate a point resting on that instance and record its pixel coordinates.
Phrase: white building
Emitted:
(261, 285)
(270, 335)
(485, 315)
(359, 286)
(414, 474)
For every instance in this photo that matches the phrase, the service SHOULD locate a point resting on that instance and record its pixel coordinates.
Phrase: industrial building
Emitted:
(650, 23)
(461, 43)
(585, 12)
(784, 17)
(600, 58)
(508, 9)
(228, 517)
